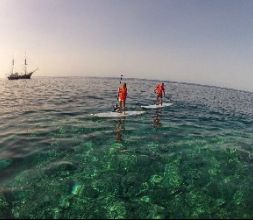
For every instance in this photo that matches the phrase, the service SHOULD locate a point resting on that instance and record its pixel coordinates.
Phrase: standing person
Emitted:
(122, 95)
(160, 93)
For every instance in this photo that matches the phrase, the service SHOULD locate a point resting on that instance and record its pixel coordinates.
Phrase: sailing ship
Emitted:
(16, 75)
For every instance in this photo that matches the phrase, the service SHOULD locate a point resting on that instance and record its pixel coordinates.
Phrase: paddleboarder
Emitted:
(160, 93)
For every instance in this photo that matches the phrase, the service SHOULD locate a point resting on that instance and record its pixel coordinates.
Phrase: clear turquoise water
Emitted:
(191, 160)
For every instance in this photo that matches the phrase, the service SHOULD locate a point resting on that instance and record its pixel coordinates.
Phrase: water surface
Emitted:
(190, 160)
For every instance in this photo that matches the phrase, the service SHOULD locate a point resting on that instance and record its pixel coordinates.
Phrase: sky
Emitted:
(197, 41)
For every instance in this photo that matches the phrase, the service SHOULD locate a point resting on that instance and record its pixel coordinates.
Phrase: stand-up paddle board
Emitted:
(156, 106)
(117, 114)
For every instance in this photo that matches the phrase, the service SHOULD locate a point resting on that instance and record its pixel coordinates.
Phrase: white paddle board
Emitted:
(156, 106)
(117, 114)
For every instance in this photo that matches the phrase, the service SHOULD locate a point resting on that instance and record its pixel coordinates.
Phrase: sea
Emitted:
(193, 159)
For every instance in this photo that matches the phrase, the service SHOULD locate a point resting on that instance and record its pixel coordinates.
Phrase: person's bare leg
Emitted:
(157, 100)
(124, 105)
(120, 106)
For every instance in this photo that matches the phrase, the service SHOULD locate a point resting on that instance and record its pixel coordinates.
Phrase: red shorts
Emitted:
(159, 95)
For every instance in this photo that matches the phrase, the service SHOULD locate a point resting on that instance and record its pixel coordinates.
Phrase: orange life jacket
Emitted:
(159, 89)
(122, 93)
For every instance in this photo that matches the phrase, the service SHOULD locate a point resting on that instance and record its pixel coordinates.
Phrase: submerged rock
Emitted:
(76, 189)
(155, 179)
(4, 208)
(157, 212)
(145, 199)
(4, 164)
(59, 167)
(116, 210)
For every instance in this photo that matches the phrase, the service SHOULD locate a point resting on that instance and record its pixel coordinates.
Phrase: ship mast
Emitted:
(25, 65)
(12, 66)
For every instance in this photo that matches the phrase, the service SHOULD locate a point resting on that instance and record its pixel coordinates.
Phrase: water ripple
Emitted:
(54, 153)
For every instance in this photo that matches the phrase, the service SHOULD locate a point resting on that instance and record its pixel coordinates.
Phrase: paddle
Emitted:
(121, 77)
(168, 97)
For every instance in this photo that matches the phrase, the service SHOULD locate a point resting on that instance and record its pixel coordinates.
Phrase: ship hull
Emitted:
(23, 76)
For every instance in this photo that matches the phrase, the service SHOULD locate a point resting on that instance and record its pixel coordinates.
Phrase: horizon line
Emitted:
(172, 81)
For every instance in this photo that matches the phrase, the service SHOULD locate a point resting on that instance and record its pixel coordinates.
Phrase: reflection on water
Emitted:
(119, 129)
(157, 118)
